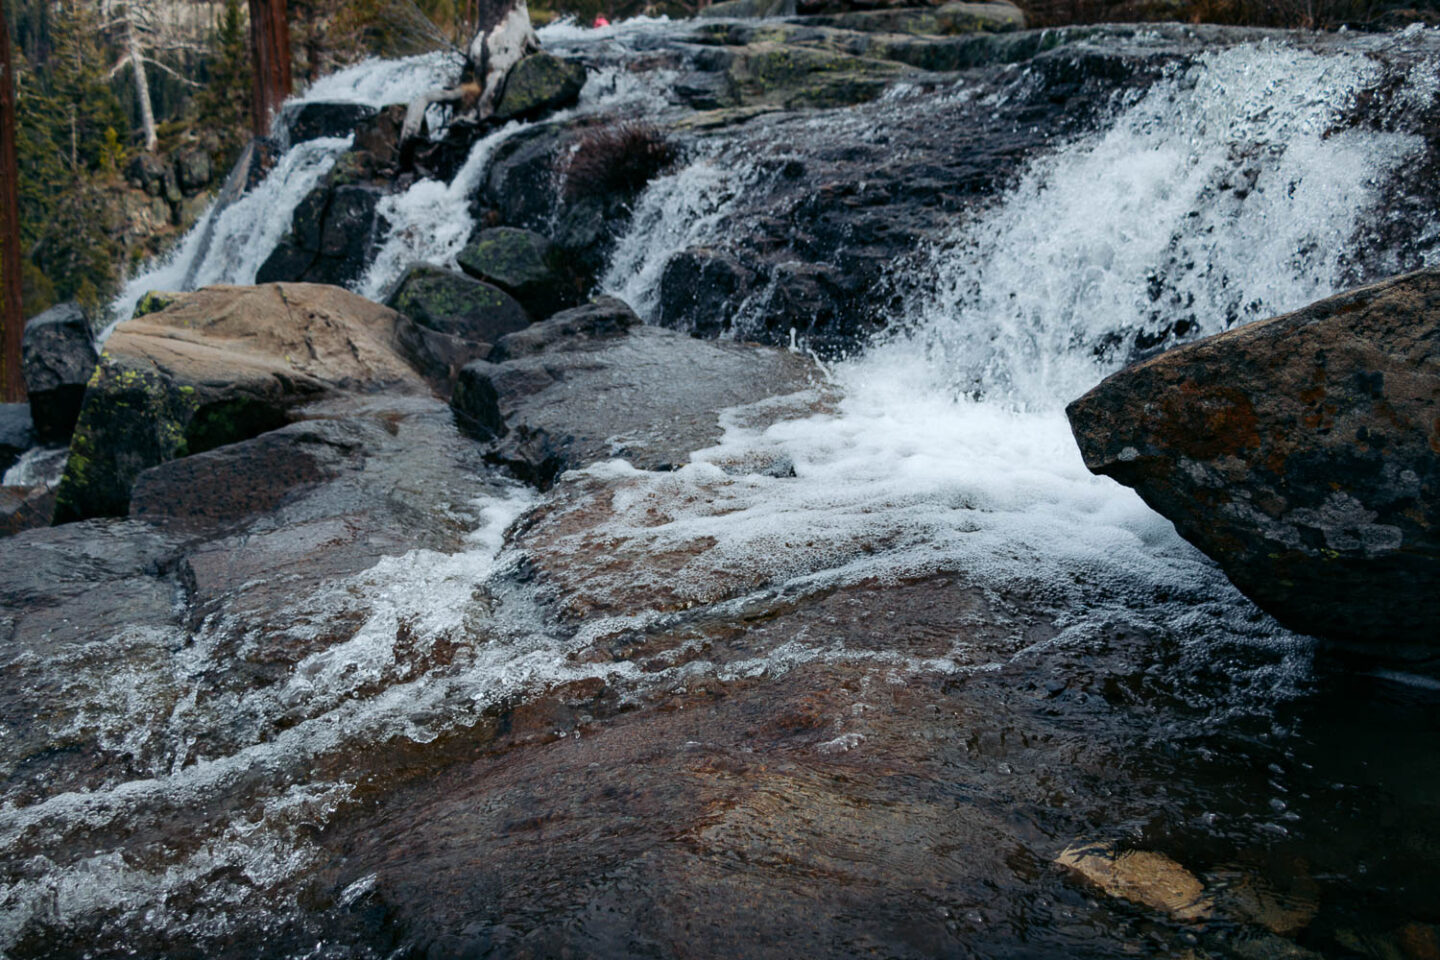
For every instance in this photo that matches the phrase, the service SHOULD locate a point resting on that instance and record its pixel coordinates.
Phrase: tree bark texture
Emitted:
(270, 38)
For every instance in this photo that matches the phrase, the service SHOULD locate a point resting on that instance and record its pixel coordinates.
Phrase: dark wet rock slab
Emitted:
(593, 383)
(320, 118)
(17, 433)
(58, 356)
(1303, 454)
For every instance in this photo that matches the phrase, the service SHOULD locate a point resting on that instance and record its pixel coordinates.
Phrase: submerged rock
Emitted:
(218, 366)
(1140, 876)
(1302, 453)
(594, 383)
(58, 356)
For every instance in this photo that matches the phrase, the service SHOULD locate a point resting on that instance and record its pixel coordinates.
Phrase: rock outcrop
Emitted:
(593, 383)
(1302, 453)
(17, 433)
(58, 356)
(218, 366)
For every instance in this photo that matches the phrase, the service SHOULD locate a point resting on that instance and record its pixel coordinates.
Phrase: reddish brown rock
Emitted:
(1301, 453)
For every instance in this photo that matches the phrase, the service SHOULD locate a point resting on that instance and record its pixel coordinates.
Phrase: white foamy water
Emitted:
(431, 221)
(379, 83)
(947, 451)
(1222, 195)
(244, 233)
(687, 208)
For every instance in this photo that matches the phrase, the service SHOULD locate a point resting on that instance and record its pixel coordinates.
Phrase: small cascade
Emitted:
(1230, 192)
(1232, 184)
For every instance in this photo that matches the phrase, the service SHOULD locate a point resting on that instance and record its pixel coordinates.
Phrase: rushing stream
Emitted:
(1233, 187)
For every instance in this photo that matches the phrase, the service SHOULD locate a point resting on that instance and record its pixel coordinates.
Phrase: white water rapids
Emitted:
(947, 449)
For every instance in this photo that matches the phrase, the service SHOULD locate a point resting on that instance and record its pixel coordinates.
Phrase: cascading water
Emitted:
(1224, 194)
(1228, 190)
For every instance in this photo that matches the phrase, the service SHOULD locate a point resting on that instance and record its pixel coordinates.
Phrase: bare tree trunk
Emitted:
(142, 85)
(12, 320)
(270, 38)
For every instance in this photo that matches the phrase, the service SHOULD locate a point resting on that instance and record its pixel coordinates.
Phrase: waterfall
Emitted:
(1229, 191)
(1232, 187)
(1227, 194)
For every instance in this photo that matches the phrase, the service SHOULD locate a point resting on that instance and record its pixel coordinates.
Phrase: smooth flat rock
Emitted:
(1302, 453)
(593, 384)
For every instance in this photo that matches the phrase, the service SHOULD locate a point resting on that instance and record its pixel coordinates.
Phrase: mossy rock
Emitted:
(134, 418)
(154, 302)
(523, 264)
(804, 77)
(538, 84)
(455, 304)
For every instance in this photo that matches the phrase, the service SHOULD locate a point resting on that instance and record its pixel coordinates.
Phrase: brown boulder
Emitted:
(1302, 453)
(219, 366)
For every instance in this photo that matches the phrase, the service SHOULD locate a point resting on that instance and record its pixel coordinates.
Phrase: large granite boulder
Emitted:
(219, 366)
(594, 383)
(58, 355)
(1302, 454)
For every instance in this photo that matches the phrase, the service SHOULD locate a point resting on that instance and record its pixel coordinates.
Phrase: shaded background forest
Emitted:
(94, 201)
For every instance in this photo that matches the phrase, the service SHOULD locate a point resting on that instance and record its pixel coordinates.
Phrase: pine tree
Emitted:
(224, 103)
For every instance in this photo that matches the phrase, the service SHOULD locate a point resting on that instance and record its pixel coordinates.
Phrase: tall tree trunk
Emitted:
(142, 84)
(270, 38)
(12, 320)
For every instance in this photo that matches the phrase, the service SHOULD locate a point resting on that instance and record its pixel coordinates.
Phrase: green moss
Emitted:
(134, 417)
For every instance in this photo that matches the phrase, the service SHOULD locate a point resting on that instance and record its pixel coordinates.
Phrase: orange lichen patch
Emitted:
(1210, 422)
(1140, 876)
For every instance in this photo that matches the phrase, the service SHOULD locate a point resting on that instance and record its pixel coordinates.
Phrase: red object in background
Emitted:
(600, 21)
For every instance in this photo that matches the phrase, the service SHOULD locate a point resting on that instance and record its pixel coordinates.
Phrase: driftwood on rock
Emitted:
(502, 39)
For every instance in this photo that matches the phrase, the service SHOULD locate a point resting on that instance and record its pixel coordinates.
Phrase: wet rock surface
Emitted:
(1303, 454)
(344, 690)
(58, 356)
(314, 119)
(540, 83)
(17, 433)
(525, 265)
(451, 302)
(593, 383)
